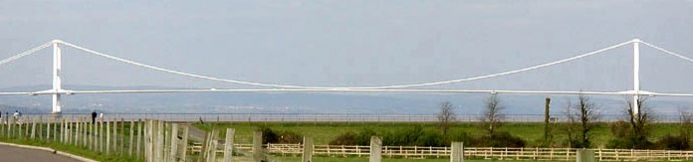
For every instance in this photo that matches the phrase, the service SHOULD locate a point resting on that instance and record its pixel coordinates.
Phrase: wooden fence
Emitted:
(154, 141)
(417, 152)
(109, 136)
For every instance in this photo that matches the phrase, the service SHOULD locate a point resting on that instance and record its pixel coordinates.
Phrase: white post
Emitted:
(57, 85)
(457, 152)
(636, 76)
(376, 149)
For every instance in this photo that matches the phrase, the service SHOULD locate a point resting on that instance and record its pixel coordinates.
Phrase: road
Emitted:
(16, 154)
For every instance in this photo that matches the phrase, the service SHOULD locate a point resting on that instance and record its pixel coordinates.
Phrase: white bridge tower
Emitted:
(57, 83)
(636, 76)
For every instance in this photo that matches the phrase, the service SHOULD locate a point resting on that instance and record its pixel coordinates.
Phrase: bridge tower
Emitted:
(57, 83)
(636, 76)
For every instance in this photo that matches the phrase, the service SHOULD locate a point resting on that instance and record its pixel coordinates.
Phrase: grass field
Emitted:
(365, 159)
(323, 133)
(80, 151)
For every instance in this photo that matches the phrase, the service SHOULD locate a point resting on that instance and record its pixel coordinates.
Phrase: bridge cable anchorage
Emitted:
(680, 56)
(270, 85)
(25, 53)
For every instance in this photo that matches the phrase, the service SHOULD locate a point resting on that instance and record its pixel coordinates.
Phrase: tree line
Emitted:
(633, 131)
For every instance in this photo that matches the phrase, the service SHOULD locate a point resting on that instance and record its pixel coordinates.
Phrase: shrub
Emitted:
(670, 142)
(362, 138)
(458, 136)
(268, 135)
(417, 136)
(620, 129)
(630, 142)
(500, 139)
(625, 138)
(430, 138)
(402, 137)
(348, 138)
(289, 137)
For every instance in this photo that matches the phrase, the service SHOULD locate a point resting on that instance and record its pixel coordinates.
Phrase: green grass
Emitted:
(75, 150)
(365, 159)
(323, 133)
(69, 148)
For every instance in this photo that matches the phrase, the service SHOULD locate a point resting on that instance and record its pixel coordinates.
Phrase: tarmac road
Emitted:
(16, 154)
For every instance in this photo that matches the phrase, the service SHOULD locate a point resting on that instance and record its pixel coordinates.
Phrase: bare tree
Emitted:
(588, 113)
(639, 123)
(493, 117)
(446, 116)
(547, 121)
(571, 124)
(686, 124)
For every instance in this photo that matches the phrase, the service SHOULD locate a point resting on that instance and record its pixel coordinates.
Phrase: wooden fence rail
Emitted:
(154, 141)
(417, 152)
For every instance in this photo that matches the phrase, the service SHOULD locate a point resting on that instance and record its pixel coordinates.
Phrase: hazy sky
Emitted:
(331, 43)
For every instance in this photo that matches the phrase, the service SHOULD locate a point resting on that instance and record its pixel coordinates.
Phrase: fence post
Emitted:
(457, 152)
(78, 130)
(21, 128)
(212, 156)
(26, 127)
(66, 136)
(174, 142)
(85, 133)
(9, 127)
(257, 146)
(62, 130)
(94, 136)
(166, 135)
(122, 138)
(2, 126)
(148, 141)
(99, 131)
(206, 153)
(585, 155)
(228, 145)
(40, 128)
(68, 131)
(132, 137)
(89, 133)
(307, 149)
(33, 129)
(48, 129)
(108, 137)
(115, 136)
(139, 138)
(159, 141)
(184, 149)
(376, 149)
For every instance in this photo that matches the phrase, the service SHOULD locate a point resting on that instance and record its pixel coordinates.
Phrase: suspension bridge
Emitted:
(57, 92)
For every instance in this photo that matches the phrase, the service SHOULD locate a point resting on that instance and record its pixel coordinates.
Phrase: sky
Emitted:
(351, 43)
